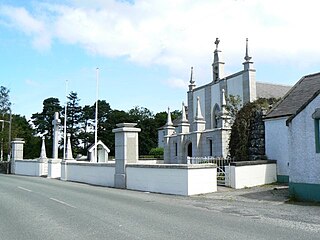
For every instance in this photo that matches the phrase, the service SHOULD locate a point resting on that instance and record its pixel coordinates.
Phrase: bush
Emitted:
(156, 152)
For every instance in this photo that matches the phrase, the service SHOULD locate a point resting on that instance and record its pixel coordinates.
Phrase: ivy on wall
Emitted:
(247, 132)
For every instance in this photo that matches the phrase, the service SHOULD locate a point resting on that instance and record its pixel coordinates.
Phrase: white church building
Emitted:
(204, 128)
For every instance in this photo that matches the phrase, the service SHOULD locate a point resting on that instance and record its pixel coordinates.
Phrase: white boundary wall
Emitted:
(250, 174)
(54, 168)
(32, 167)
(101, 174)
(179, 179)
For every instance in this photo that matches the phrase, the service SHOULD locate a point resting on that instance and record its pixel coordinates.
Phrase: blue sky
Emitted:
(145, 48)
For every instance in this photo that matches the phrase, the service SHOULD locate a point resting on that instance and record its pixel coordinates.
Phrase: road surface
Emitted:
(39, 208)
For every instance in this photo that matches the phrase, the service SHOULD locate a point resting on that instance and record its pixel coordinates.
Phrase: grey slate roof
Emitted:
(267, 90)
(300, 95)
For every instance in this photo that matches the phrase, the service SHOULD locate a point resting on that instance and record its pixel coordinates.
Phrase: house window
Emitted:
(317, 135)
(176, 149)
(210, 147)
(316, 117)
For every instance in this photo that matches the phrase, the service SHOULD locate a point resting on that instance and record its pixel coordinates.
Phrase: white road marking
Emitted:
(25, 189)
(61, 202)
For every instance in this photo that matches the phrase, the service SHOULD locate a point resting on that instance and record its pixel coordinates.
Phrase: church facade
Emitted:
(204, 128)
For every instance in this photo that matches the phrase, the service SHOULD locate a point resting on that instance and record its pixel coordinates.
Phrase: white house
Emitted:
(293, 138)
(203, 129)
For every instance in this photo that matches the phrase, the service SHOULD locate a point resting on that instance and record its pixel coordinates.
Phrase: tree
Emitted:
(233, 107)
(74, 117)
(87, 126)
(5, 104)
(43, 121)
(21, 128)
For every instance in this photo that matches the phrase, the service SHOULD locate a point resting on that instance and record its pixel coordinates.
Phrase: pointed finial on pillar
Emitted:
(248, 64)
(198, 110)
(69, 149)
(43, 154)
(192, 82)
(217, 43)
(184, 116)
(247, 57)
(169, 121)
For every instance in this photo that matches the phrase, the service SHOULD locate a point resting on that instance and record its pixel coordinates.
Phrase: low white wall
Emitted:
(31, 167)
(54, 168)
(250, 174)
(27, 167)
(86, 172)
(176, 179)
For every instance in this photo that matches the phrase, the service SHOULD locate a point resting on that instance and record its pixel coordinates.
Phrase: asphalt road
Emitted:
(39, 208)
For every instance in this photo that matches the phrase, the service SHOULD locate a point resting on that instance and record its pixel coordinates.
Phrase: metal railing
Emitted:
(219, 161)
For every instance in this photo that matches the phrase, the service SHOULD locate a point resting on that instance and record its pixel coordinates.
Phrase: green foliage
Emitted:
(156, 152)
(74, 117)
(240, 132)
(233, 106)
(5, 104)
(43, 121)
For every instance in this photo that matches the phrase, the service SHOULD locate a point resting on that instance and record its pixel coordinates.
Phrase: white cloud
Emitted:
(177, 83)
(21, 19)
(178, 34)
(32, 83)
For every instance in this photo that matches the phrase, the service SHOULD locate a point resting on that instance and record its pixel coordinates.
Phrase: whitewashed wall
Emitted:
(27, 167)
(215, 96)
(277, 143)
(54, 168)
(172, 178)
(101, 174)
(235, 86)
(304, 161)
(250, 175)
(31, 167)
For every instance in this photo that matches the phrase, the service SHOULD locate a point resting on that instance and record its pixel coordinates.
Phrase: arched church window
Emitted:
(215, 114)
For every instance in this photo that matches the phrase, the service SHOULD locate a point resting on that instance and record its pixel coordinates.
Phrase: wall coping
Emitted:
(172, 166)
(91, 164)
(26, 160)
(250, 163)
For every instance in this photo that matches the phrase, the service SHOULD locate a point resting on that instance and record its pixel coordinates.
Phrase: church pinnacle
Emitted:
(247, 58)
(198, 110)
(192, 82)
(169, 121)
(248, 64)
(217, 65)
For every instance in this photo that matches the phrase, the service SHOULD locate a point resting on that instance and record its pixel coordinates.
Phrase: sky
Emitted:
(144, 49)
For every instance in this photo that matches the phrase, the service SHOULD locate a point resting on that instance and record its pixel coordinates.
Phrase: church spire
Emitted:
(217, 65)
(192, 82)
(247, 58)
(248, 64)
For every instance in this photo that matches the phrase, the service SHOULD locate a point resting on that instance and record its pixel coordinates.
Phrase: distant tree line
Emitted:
(80, 124)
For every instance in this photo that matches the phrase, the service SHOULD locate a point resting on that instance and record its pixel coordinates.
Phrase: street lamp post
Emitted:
(9, 143)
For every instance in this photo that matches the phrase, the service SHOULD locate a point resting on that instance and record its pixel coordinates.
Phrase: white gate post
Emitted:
(17, 152)
(126, 150)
